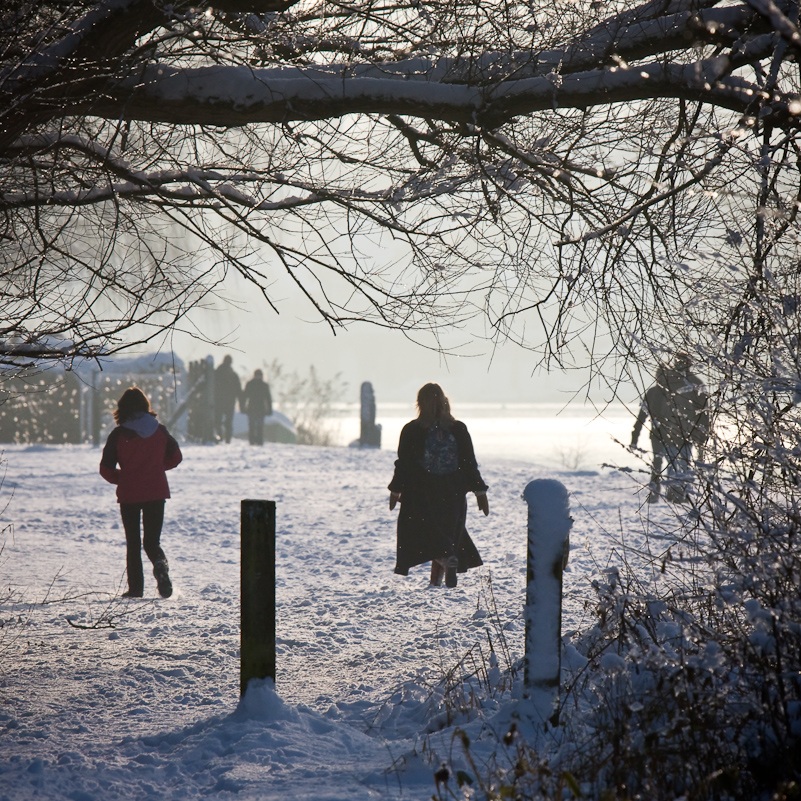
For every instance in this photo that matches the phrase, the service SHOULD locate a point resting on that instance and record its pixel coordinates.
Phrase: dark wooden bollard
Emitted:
(370, 433)
(257, 636)
(549, 525)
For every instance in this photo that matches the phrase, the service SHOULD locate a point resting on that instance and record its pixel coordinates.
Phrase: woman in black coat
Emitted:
(435, 469)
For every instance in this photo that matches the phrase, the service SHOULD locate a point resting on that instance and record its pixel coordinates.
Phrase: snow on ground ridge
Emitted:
(148, 707)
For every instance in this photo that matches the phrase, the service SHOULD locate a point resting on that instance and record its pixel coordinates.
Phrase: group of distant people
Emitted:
(255, 401)
(435, 469)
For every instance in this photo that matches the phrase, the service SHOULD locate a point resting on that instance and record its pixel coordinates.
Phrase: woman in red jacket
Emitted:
(144, 450)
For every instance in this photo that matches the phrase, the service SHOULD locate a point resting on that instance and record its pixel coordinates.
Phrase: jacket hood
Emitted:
(143, 423)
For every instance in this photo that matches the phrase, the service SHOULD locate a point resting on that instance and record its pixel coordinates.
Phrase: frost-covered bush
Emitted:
(40, 406)
(691, 688)
(693, 682)
(691, 693)
(307, 400)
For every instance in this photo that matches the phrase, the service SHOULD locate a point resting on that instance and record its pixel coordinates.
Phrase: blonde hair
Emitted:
(433, 406)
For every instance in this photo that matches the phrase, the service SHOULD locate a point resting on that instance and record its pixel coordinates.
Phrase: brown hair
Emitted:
(132, 401)
(432, 406)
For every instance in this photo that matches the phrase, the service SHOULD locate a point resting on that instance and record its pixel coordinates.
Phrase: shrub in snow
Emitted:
(689, 683)
(308, 401)
(693, 681)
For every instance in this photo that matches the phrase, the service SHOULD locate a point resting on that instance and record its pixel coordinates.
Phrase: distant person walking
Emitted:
(677, 407)
(227, 391)
(144, 451)
(256, 403)
(435, 469)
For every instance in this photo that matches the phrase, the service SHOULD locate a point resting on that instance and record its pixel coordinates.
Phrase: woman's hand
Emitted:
(394, 497)
(483, 503)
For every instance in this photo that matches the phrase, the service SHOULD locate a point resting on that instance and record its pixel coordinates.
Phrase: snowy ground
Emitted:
(150, 709)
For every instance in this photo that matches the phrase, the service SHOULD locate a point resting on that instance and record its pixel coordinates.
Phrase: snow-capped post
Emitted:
(549, 525)
(257, 634)
(370, 433)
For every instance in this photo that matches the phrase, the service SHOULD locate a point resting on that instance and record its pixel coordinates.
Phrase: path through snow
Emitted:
(148, 708)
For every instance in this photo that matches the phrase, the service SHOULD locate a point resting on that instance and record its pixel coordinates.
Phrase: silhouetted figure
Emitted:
(227, 391)
(435, 469)
(676, 405)
(256, 403)
(144, 450)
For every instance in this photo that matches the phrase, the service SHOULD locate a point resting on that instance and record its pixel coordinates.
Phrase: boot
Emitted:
(162, 573)
(437, 572)
(450, 572)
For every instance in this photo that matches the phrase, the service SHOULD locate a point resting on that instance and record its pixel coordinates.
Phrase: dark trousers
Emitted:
(225, 422)
(677, 474)
(256, 429)
(152, 517)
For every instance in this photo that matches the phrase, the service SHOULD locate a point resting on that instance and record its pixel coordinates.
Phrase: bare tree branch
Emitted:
(549, 169)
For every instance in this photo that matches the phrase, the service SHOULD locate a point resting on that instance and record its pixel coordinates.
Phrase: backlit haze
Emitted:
(397, 367)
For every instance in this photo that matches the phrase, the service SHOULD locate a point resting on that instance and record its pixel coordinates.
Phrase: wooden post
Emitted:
(549, 525)
(370, 433)
(257, 635)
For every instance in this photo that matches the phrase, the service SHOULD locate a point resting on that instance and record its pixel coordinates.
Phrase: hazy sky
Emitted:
(396, 366)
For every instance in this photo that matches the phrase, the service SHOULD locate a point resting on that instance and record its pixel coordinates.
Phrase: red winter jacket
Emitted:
(144, 450)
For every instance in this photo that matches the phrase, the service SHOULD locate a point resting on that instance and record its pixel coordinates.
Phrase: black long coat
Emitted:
(256, 399)
(677, 406)
(433, 508)
(227, 387)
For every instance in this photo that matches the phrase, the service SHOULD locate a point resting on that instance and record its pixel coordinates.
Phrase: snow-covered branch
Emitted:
(779, 21)
(235, 96)
(591, 70)
(497, 143)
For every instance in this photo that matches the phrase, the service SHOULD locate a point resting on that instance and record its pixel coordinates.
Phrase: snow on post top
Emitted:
(548, 512)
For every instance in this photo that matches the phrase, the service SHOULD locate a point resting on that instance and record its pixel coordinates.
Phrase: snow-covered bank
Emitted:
(142, 701)
(550, 434)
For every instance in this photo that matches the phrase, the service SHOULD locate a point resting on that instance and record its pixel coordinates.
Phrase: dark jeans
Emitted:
(225, 423)
(152, 515)
(256, 429)
(676, 475)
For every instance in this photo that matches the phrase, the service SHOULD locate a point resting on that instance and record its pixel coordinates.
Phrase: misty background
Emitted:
(469, 367)
(513, 408)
